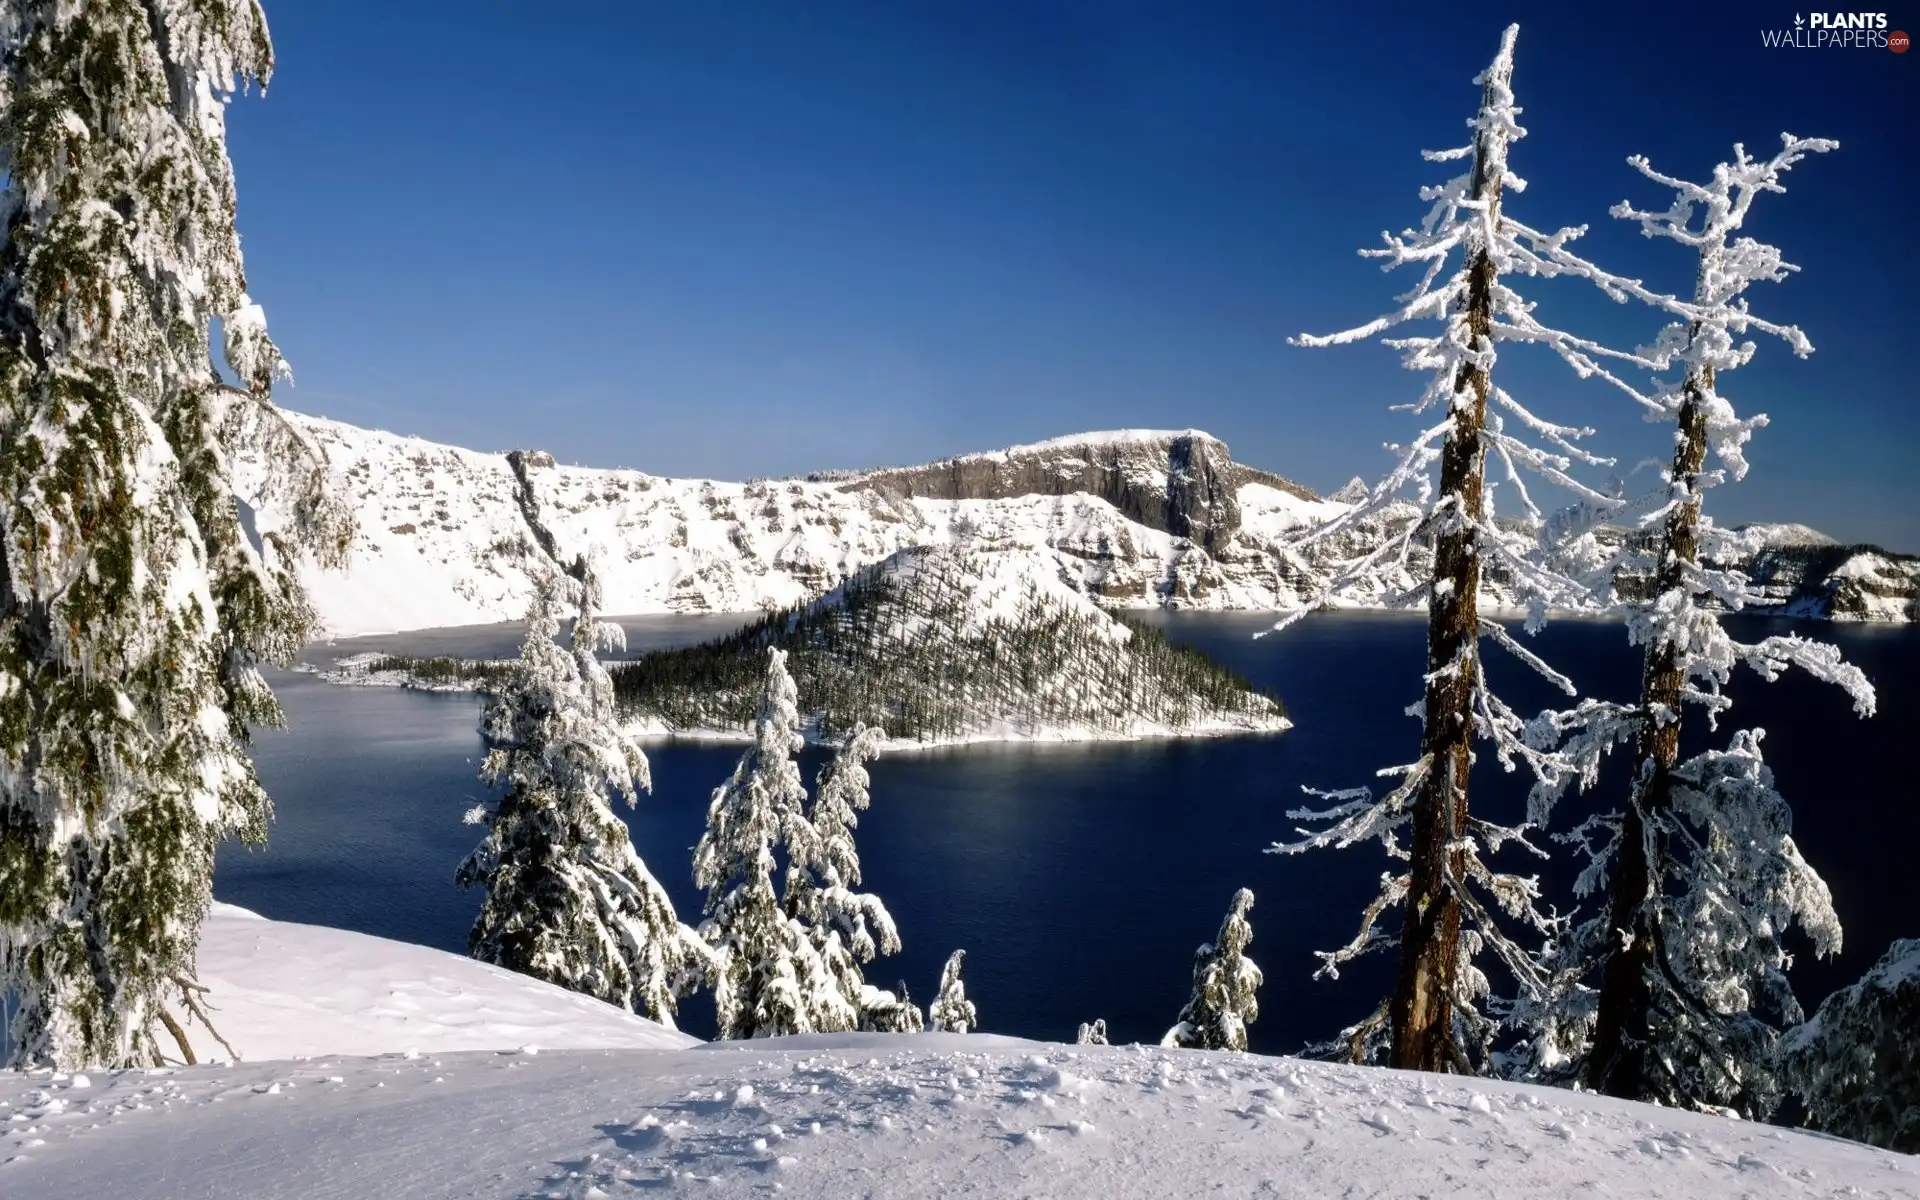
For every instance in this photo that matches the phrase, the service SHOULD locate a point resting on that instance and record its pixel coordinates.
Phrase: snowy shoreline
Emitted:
(655, 732)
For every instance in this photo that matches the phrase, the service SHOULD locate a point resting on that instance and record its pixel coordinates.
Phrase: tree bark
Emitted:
(1421, 1011)
(1622, 1054)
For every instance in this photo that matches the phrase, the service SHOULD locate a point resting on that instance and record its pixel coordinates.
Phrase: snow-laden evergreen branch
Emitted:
(1856, 1064)
(951, 1011)
(135, 611)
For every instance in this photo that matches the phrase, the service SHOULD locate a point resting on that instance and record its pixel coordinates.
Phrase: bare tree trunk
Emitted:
(1421, 1011)
(1622, 1045)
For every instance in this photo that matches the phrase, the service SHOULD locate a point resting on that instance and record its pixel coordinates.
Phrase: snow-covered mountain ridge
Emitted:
(1136, 518)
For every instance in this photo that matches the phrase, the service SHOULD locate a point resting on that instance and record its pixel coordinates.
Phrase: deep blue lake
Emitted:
(1080, 878)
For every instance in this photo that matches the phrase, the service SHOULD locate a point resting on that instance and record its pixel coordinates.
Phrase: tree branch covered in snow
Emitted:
(1444, 534)
(1856, 1064)
(951, 1011)
(1675, 990)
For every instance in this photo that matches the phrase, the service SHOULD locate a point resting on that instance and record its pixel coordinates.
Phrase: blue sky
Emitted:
(738, 238)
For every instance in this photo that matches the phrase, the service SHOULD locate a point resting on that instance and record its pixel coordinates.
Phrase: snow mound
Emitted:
(915, 1115)
(283, 990)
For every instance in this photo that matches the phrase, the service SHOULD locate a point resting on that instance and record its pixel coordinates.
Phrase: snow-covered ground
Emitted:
(602, 1104)
(284, 990)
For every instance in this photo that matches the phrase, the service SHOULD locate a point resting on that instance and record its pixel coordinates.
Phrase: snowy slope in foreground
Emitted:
(283, 990)
(877, 1115)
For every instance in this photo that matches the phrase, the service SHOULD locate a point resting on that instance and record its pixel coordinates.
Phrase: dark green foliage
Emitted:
(904, 650)
(134, 611)
(1856, 1064)
(484, 675)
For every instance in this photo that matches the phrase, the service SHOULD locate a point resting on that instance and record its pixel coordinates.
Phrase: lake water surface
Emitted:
(1078, 878)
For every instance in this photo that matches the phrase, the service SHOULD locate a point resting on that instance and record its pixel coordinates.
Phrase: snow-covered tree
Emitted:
(846, 927)
(1092, 1033)
(567, 898)
(1441, 543)
(134, 608)
(882, 1011)
(770, 978)
(1223, 1003)
(951, 1011)
(1675, 991)
(1856, 1064)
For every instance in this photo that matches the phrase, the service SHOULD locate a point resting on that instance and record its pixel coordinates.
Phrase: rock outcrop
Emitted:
(1185, 484)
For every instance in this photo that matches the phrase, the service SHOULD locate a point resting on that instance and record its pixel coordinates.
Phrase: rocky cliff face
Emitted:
(1135, 519)
(1184, 484)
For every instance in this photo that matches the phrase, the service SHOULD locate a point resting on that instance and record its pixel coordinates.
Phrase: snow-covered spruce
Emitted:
(1675, 990)
(1092, 1033)
(1443, 549)
(1223, 1003)
(1718, 997)
(567, 898)
(952, 644)
(847, 927)
(883, 1011)
(951, 1011)
(770, 978)
(1856, 1063)
(134, 609)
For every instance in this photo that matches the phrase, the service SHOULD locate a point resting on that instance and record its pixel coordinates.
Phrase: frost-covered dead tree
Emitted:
(847, 927)
(951, 1011)
(1856, 1064)
(1677, 991)
(567, 898)
(134, 609)
(1467, 249)
(1223, 1003)
(770, 978)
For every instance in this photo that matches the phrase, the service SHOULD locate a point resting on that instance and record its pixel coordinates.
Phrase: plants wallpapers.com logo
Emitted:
(1837, 31)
